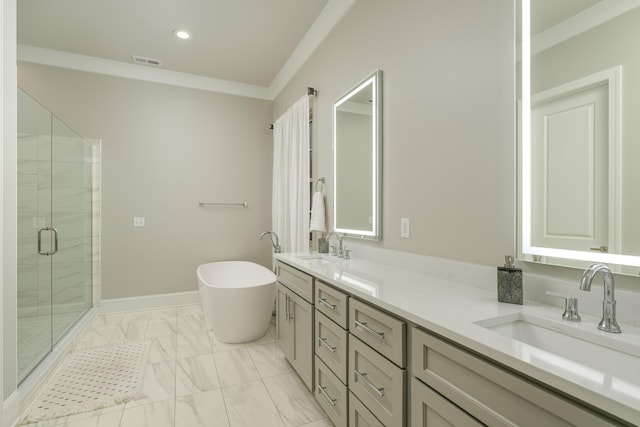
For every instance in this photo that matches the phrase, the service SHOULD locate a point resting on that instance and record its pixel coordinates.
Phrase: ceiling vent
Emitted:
(146, 61)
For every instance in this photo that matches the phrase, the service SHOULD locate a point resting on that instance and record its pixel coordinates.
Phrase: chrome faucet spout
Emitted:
(276, 243)
(608, 322)
(339, 237)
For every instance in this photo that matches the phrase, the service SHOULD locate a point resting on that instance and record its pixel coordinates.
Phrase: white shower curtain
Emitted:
(290, 204)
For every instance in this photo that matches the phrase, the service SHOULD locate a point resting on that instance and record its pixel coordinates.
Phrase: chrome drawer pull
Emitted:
(380, 390)
(324, 341)
(326, 396)
(324, 301)
(366, 328)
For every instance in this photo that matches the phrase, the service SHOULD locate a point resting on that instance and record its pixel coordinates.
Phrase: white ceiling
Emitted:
(254, 43)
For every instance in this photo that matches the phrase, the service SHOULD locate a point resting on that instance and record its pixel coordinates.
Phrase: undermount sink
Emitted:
(318, 258)
(569, 347)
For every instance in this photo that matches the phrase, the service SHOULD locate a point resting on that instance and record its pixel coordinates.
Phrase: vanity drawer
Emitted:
(377, 382)
(331, 394)
(299, 282)
(331, 345)
(360, 416)
(383, 332)
(332, 303)
(430, 409)
(489, 393)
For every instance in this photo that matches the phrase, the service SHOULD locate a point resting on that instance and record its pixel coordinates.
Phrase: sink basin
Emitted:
(318, 259)
(570, 348)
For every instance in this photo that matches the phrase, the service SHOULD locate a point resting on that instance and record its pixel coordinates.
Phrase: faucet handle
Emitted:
(346, 253)
(570, 306)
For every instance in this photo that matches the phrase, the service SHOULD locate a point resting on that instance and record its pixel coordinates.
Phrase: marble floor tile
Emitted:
(204, 409)
(136, 316)
(163, 349)
(325, 422)
(192, 322)
(159, 383)
(196, 374)
(185, 310)
(161, 328)
(130, 331)
(235, 367)
(95, 336)
(194, 380)
(92, 418)
(164, 313)
(269, 359)
(297, 406)
(193, 342)
(110, 419)
(217, 346)
(265, 339)
(107, 319)
(249, 405)
(156, 414)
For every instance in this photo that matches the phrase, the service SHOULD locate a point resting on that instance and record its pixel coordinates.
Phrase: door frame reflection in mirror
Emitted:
(526, 249)
(372, 208)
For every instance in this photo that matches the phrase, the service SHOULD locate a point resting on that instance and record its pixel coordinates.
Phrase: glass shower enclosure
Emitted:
(55, 169)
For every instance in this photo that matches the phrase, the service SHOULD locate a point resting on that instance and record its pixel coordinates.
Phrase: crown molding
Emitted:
(583, 21)
(332, 13)
(90, 64)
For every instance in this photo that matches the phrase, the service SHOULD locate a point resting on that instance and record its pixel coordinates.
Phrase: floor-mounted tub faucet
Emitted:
(276, 243)
(608, 322)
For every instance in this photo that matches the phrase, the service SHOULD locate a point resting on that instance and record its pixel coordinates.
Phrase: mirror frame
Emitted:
(375, 79)
(525, 247)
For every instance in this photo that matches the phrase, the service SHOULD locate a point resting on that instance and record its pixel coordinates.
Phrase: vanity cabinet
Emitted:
(294, 319)
(331, 352)
(452, 383)
(377, 361)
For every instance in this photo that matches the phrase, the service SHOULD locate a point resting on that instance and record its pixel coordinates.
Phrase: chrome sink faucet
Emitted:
(608, 322)
(276, 243)
(340, 247)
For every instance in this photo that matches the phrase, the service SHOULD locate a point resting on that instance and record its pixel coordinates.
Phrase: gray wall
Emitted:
(448, 125)
(165, 148)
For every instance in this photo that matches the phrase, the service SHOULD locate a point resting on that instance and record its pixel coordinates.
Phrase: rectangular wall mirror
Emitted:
(357, 159)
(578, 150)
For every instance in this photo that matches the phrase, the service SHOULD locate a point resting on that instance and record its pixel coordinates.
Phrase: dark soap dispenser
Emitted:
(509, 282)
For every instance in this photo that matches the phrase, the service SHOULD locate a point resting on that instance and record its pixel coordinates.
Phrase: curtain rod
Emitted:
(310, 91)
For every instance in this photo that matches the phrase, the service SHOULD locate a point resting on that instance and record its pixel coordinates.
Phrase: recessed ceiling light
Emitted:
(182, 34)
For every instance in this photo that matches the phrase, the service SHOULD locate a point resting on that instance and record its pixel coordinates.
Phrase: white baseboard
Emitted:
(148, 302)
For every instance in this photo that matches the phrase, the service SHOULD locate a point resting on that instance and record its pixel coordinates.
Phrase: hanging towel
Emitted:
(317, 213)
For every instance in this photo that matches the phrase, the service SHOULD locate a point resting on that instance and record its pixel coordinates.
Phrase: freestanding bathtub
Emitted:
(237, 297)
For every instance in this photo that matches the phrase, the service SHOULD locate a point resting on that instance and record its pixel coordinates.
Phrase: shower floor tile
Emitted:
(194, 380)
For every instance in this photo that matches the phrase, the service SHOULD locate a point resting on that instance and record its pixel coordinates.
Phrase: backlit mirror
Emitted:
(356, 159)
(579, 132)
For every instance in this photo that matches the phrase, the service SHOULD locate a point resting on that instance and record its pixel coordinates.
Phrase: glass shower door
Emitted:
(34, 215)
(54, 231)
(71, 216)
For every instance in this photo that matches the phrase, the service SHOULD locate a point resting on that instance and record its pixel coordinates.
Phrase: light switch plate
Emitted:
(405, 227)
(138, 221)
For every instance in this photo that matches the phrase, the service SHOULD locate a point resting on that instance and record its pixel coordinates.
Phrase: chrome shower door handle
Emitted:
(55, 241)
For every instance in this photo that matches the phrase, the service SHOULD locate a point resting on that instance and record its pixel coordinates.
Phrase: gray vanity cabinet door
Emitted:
(301, 319)
(429, 409)
(283, 326)
(331, 394)
(359, 415)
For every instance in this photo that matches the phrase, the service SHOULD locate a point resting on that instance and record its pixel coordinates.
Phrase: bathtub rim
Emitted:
(257, 277)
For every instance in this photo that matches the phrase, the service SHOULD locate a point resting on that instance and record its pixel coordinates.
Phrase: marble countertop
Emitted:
(451, 309)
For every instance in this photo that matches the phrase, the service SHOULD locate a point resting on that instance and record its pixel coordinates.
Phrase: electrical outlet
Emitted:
(405, 227)
(138, 221)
